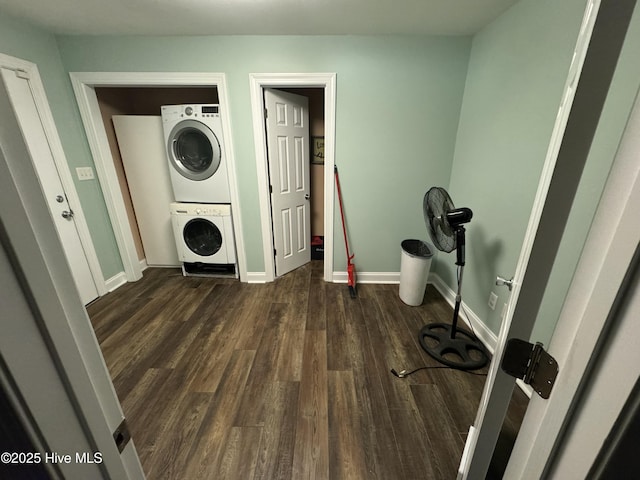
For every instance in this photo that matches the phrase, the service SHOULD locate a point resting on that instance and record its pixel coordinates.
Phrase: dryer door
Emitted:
(194, 150)
(202, 237)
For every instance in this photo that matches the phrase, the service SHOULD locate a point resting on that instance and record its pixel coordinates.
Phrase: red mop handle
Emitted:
(344, 227)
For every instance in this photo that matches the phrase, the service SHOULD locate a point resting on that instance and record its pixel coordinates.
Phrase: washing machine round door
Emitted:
(202, 237)
(194, 150)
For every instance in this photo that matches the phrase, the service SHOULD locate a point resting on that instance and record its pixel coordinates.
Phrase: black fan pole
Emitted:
(460, 242)
(460, 258)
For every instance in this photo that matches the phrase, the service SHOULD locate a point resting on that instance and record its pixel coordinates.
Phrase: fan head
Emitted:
(437, 203)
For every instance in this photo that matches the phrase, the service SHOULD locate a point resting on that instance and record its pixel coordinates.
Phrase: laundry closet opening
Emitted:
(295, 153)
(149, 217)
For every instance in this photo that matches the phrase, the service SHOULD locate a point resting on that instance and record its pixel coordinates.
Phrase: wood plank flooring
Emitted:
(289, 380)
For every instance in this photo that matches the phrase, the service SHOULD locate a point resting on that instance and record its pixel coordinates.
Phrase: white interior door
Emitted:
(558, 183)
(48, 345)
(288, 151)
(141, 143)
(26, 112)
(604, 297)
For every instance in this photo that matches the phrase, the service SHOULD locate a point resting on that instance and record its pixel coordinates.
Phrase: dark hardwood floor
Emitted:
(289, 380)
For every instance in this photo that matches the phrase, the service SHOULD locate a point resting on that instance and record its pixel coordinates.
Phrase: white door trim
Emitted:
(327, 81)
(84, 84)
(60, 160)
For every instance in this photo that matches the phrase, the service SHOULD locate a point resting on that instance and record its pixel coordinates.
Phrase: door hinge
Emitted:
(121, 435)
(532, 364)
(274, 252)
(270, 189)
(266, 114)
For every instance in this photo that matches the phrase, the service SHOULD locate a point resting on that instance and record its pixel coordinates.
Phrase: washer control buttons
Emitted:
(188, 110)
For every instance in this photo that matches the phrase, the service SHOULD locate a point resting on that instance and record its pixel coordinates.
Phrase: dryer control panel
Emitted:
(170, 112)
(200, 209)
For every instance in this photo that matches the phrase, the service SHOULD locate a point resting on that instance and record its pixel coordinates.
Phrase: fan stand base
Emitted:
(453, 352)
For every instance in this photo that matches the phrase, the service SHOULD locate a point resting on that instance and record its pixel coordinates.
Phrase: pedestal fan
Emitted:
(450, 345)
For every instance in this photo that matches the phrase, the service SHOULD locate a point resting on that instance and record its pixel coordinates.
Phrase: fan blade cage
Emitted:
(436, 204)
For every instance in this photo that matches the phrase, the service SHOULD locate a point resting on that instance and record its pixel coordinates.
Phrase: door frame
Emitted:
(84, 85)
(61, 377)
(61, 164)
(258, 82)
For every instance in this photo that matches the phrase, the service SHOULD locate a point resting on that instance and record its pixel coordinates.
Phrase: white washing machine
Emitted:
(204, 237)
(195, 150)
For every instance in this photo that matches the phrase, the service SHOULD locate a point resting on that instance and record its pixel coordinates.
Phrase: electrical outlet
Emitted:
(493, 298)
(84, 173)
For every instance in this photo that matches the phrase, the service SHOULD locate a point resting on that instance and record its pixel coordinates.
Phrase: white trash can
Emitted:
(415, 263)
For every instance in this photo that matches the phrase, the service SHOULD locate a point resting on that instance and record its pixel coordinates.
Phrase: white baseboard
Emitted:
(368, 277)
(256, 277)
(120, 278)
(116, 281)
(374, 277)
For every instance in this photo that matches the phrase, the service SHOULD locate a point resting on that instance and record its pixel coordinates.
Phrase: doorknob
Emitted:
(503, 281)
(68, 214)
(306, 196)
(59, 199)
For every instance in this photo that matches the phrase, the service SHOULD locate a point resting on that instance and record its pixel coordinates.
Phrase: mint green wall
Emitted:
(398, 103)
(516, 75)
(23, 41)
(620, 100)
(517, 70)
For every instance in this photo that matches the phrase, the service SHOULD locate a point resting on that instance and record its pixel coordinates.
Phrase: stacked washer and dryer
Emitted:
(201, 215)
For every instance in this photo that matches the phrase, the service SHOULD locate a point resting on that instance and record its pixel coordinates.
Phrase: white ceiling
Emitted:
(246, 17)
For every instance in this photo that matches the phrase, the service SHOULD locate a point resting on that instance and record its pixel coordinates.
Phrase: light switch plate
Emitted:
(493, 298)
(84, 173)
